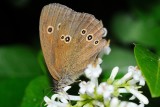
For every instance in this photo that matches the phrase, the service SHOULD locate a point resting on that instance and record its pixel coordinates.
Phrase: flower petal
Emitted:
(114, 73)
(46, 99)
(98, 103)
(114, 102)
(131, 104)
(66, 88)
(123, 104)
(107, 50)
(140, 96)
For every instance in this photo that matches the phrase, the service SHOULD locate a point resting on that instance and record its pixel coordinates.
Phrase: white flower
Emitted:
(47, 100)
(104, 94)
(98, 103)
(107, 50)
(132, 97)
(52, 103)
(61, 99)
(124, 79)
(101, 88)
(137, 76)
(127, 104)
(132, 82)
(90, 88)
(105, 90)
(114, 73)
(87, 88)
(123, 104)
(66, 88)
(131, 104)
(93, 71)
(114, 102)
(141, 105)
(122, 90)
(137, 94)
(83, 87)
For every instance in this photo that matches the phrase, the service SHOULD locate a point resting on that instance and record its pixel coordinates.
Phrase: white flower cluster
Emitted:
(105, 94)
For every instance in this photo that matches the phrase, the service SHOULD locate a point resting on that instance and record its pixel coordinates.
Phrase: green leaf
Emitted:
(118, 57)
(18, 61)
(35, 92)
(12, 91)
(149, 64)
(18, 65)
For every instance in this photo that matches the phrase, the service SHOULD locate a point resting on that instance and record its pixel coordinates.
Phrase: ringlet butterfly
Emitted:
(70, 41)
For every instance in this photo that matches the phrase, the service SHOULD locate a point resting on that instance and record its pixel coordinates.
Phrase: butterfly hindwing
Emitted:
(74, 41)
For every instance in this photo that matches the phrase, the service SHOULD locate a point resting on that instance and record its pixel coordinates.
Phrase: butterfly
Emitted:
(70, 41)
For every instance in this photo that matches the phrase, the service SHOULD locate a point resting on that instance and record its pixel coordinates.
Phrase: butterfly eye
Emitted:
(89, 37)
(67, 39)
(96, 42)
(58, 26)
(83, 31)
(50, 29)
(62, 37)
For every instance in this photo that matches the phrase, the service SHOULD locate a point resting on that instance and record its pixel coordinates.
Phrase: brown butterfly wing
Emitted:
(67, 50)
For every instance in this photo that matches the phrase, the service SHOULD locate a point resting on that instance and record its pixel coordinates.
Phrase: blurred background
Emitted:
(23, 77)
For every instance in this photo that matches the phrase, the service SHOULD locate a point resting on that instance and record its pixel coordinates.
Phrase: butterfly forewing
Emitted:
(75, 42)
